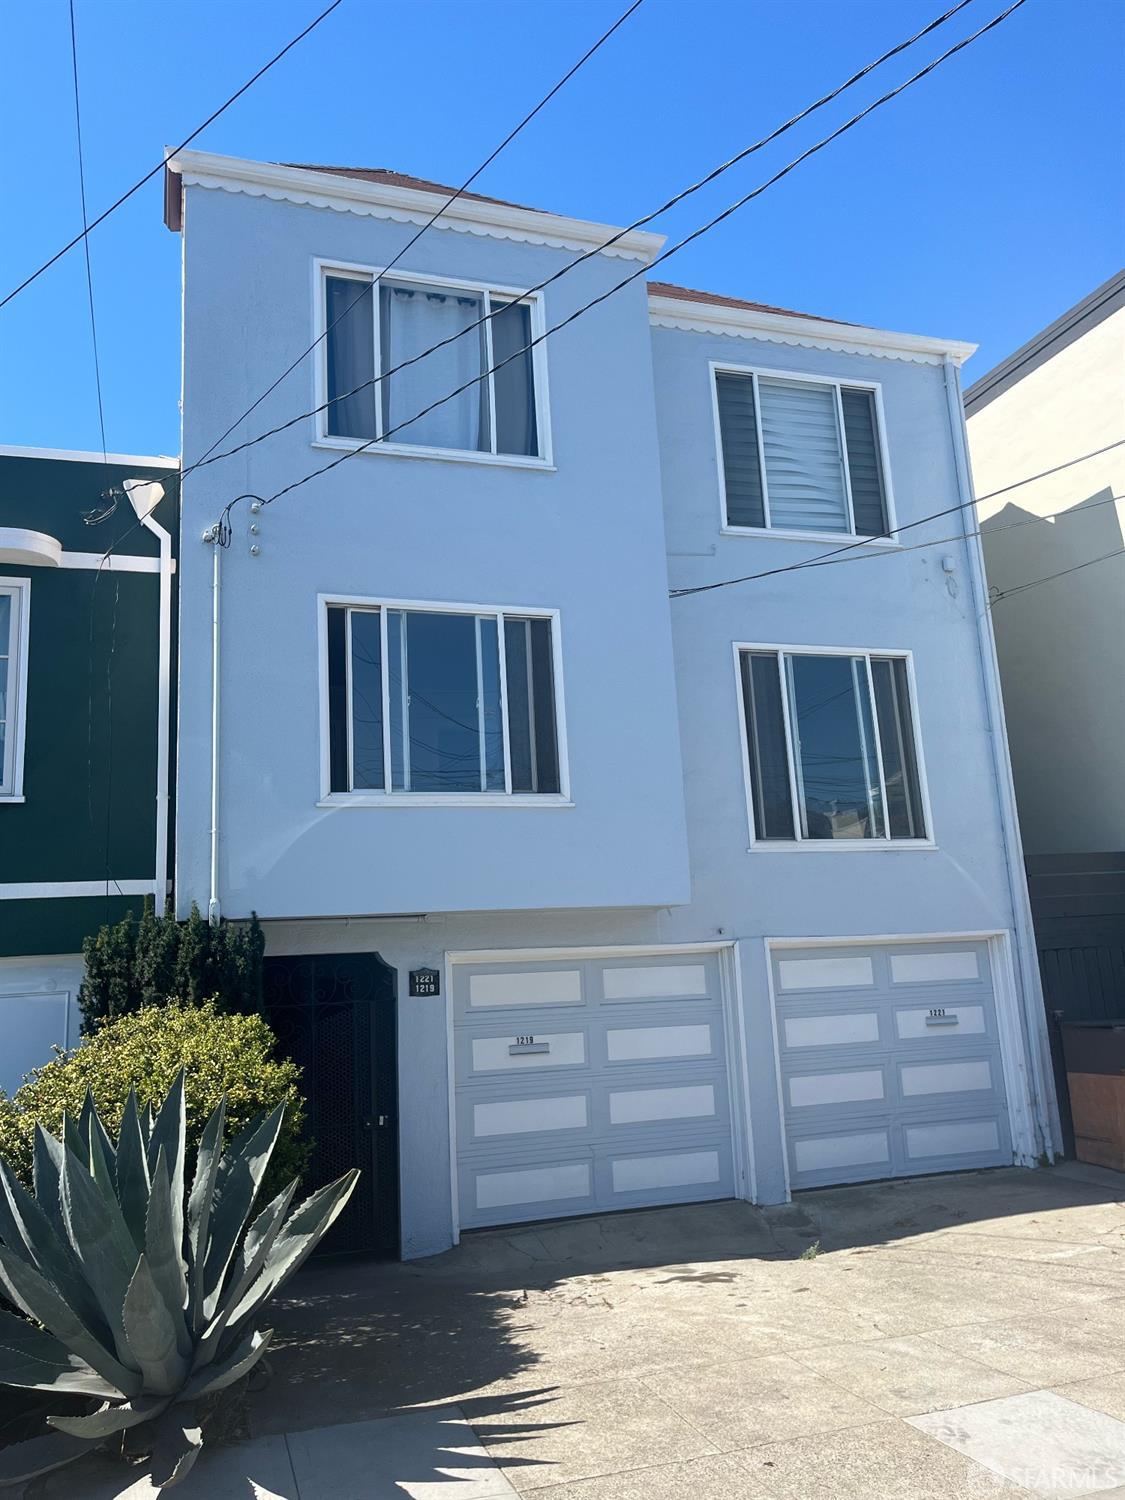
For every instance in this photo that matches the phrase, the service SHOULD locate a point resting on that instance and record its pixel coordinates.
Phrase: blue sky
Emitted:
(979, 205)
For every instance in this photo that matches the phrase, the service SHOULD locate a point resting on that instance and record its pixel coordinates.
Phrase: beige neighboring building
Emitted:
(1061, 644)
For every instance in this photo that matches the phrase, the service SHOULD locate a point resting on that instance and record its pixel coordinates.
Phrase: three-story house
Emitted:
(580, 892)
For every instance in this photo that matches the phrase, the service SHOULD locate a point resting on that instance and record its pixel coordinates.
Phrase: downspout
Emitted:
(214, 911)
(141, 498)
(1044, 1107)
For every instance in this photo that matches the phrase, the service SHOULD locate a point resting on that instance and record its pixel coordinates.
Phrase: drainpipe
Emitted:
(214, 911)
(145, 496)
(1044, 1107)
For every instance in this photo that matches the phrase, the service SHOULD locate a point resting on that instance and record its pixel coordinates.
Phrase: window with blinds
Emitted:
(800, 455)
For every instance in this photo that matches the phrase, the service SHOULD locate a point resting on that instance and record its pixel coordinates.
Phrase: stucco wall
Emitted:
(1061, 644)
(586, 539)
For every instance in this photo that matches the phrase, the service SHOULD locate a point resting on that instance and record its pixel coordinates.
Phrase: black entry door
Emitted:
(335, 1015)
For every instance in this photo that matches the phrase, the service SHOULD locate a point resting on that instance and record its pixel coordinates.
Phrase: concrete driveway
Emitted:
(945, 1337)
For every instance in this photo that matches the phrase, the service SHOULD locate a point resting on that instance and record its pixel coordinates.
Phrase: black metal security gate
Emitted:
(335, 1015)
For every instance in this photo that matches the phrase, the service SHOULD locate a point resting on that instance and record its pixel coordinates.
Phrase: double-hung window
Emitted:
(14, 595)
(431, 364)
(433, 702)
(831, 746)
(800, 455)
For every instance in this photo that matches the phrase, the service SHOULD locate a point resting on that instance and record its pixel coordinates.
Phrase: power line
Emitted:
(85, 231)
(369, 287)
(644, 269)
(822, 557)
(88, 228)
(1035, 582)
(607, 244)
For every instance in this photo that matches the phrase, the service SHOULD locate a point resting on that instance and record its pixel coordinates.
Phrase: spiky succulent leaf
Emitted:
(38, 1298)
(169, 1131)
(101, 1162)
(252, 1256)
(25, 1229)
(299, 1237)
(102, 1243)
(112, 1417)
(47, 1174)
(163, 1254)
(96, 1128)
(74, 1140)
(175, 1451)
(200, 1206)
(239, 1178)
(85, 1116)
(35, 1360)
(242, 1358)
(39, 1455)
(150, 1326)
(133, 1180)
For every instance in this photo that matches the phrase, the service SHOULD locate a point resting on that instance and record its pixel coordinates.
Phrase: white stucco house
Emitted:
(582, 893)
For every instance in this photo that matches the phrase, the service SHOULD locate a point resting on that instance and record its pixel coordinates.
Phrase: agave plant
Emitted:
(132, 1297)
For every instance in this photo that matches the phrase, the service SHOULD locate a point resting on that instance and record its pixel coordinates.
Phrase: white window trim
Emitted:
(825, 846)
(323, 268)
(11, 771)
(374, 798)
(836, 383)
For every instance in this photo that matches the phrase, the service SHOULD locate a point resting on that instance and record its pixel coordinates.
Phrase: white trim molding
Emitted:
(30, 549)
(320, 189)
(50, 890)
(806, 333)
(79, 456)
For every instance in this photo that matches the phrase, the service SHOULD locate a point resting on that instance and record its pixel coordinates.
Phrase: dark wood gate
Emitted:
(335, 1015)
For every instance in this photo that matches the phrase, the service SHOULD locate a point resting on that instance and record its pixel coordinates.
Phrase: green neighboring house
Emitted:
(86, 692)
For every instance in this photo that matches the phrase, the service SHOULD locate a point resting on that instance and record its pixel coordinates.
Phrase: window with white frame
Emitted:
(800, 454)
(373, 329)
(13, 634)
(831, 746)
(435, 701)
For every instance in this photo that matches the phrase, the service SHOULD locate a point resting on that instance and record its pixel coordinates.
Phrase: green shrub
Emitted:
(220, 1054)
(130, 964)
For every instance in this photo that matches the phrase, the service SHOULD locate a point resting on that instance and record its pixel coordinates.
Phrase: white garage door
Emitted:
(890, 1061)
(589, 1085)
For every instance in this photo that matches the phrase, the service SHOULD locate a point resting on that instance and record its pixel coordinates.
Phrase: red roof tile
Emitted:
(713, 299)
(386, 178)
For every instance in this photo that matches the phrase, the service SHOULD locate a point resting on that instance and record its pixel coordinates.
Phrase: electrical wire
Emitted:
(1035, 582)
(369, 287)
(124, 198)
(644, 269)
(822, 557)
(607, 244)
(85, 232)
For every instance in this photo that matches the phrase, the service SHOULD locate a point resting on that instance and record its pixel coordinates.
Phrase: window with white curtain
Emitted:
(398, 347)
(831, 747)
(13, 634)
(432, 701)
(800, 455)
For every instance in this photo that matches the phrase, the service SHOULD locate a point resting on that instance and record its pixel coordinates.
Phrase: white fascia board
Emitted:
(75, 455)
(811, 333)
(355, 194)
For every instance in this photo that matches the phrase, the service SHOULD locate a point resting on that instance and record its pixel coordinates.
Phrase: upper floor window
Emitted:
(14, 595)
(375, 329)
(436, 701)
(830, 746)
(801, 455)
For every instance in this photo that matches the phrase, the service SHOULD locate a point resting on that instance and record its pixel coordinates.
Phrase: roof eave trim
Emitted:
(356, 195)
(809, 333)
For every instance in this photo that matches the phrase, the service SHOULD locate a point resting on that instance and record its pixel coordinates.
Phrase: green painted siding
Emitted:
(89, 809)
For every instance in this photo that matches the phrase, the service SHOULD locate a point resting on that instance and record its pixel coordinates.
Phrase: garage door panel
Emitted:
(507, 1192)
(900, 1078)
(662, 1042)
(482, 989)
(489, 1055)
